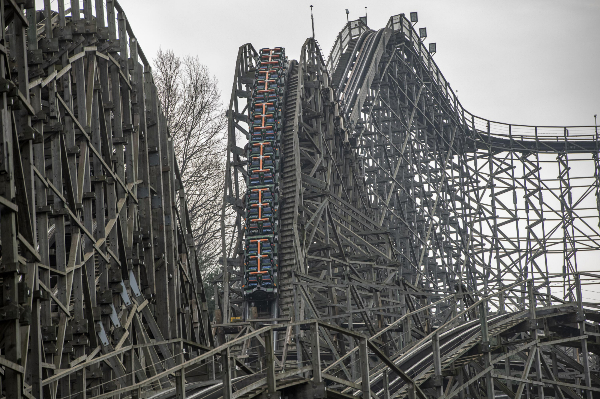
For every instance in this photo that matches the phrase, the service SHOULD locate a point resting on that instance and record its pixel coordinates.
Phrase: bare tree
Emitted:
(192, 105)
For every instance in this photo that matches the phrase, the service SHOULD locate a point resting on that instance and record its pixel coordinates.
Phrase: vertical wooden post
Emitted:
(58, 206)
(386, 385)
(37, 199)
(130, 364)
(408, 331)
(410, 390)
(297, 316)
(584, 347)
(350, 327)
(167, 194)
(180, 374)
(10, 268)
(437, 365)
(534, 335)
(461, 381)
(485, 347)
(136, 394)
(270, 357)
(363, 353)
(158, 218)
(226, 374)
(316, 353)
(76, 175)
(508, 383)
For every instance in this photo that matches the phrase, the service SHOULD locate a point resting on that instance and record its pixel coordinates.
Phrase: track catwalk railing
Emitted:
(472, 346)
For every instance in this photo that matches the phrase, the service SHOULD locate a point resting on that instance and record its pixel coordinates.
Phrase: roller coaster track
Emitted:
(455, 235)
(422, 251)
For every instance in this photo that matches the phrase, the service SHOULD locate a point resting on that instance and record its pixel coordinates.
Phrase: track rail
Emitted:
(404, 213)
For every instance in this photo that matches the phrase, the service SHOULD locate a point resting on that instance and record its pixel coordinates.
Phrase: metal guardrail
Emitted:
(511, 131)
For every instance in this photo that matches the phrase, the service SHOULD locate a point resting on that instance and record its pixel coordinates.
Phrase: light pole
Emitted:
(312, 20)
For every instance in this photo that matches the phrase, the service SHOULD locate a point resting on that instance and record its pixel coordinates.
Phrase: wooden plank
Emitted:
(56, 300)
(13, 366)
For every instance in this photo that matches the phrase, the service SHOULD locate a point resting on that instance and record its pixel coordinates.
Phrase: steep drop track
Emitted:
(412, 223)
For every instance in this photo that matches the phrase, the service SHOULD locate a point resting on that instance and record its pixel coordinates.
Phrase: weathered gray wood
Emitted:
(316, 353)
(8, 235)
(226, 373)
(365, 383)
(59, 222)
(172, 269)
(72, 230)
(155, 156)
(38, 316)
(437, 365)
(270, 362)
(390, 214)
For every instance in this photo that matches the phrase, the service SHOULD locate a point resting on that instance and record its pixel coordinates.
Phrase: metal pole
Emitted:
(312, 20)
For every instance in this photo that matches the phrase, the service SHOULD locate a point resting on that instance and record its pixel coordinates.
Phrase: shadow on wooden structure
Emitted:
(101, 286)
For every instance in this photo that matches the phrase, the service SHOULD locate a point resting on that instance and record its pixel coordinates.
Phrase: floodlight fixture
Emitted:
(432, 48)
(414, 17)
(423, 33)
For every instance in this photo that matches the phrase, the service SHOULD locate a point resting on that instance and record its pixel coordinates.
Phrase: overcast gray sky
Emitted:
(518, 61)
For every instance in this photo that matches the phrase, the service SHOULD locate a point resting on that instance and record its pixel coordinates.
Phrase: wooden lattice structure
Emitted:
(100, 280)
(422, 250)
(431, 232)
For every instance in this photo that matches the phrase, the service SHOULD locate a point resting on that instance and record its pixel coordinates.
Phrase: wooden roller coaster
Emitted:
(415, 249)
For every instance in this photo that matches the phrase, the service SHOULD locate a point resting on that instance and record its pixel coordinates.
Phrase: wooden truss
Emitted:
(101, 286)
(455, 246)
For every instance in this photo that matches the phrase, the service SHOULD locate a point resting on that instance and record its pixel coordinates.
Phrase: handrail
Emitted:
(186, 364)
(400, 23)
(491, 128)
(440, 329)
(392, 363)
(351, 30)
(470, 308)
(395, 323)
